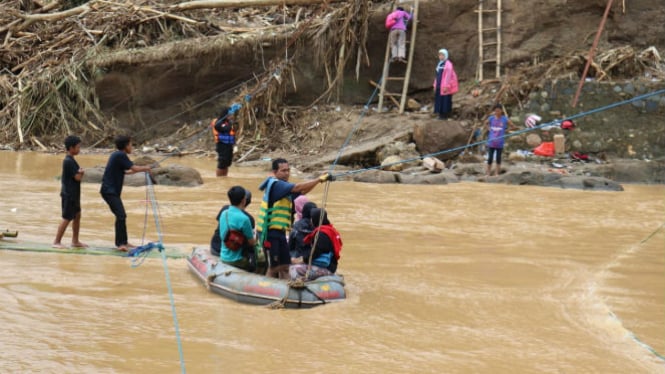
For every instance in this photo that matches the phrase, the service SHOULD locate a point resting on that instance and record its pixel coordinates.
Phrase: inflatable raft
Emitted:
(245, 287)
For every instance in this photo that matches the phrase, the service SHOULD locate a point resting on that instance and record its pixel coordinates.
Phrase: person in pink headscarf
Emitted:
(298, 203)
(445, 86)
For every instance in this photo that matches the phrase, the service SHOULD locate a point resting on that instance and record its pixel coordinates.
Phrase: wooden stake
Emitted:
(592, 51)
(18, 112)
(480, 40)
(498, 39)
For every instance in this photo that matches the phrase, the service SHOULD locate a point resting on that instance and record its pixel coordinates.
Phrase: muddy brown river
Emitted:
(458, 278)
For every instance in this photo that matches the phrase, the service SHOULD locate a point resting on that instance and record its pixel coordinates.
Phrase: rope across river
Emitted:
(553, 123)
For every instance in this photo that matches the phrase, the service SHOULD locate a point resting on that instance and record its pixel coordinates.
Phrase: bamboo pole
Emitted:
(480, 40)
(18, 112)
(592, 51)
(384, 76)
(412, 48)
(498, 38)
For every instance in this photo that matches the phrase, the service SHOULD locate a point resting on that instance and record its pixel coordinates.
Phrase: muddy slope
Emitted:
(543, 30)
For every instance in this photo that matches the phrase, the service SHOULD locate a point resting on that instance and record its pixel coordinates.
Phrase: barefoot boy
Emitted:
(118, 165)
(70, 193)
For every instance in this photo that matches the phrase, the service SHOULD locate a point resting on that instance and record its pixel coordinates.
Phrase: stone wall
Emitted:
(632, 130)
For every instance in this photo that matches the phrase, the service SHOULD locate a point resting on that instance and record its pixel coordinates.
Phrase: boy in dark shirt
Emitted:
(118, 165)
(70, 194)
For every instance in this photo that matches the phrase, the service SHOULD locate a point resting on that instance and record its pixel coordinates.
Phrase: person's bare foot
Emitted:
(58, 245)
(123, 248)
(79, 245)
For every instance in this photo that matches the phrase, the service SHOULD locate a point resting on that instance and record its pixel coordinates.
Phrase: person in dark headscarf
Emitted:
(300, 229)
(327, 247)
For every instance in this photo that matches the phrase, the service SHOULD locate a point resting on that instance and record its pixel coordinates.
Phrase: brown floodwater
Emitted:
(458, 278)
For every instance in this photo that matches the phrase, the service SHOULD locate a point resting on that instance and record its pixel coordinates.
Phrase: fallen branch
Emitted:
(206, 4)
(42, 146)
(30, 18)
(387, 94)
(241, 159)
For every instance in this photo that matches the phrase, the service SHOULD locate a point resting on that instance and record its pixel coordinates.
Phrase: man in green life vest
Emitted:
(275, 214)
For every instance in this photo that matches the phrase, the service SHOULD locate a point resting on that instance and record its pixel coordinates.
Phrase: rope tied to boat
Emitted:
(300, 285)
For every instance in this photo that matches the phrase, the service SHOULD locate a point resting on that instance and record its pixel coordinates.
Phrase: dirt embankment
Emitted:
(544, 45)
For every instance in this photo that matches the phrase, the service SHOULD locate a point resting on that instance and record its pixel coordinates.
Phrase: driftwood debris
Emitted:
(57, 53)
(210, 4)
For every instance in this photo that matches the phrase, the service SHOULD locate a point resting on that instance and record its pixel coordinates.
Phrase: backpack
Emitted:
(391, 20)
(234, 239)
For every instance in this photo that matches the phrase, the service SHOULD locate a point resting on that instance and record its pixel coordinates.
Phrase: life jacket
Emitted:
(331, 233)
(227, 135)
(275, 216)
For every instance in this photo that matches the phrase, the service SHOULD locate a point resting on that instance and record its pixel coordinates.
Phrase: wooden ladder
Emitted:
(385, 77)
(489, 38)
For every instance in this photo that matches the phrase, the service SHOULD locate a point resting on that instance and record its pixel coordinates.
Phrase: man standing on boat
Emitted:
(275, 214)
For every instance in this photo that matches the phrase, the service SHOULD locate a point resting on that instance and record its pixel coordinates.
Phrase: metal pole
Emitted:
(592, 51)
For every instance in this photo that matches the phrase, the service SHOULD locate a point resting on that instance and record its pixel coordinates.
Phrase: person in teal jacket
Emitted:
(233, 222)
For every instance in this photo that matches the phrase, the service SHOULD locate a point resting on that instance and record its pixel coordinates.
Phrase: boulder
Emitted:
(376, 176)
(170, 175)
(392, 163)
(533, 140)
(432, 136)
(555, 179)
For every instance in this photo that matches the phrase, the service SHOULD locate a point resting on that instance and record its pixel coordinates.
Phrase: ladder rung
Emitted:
(490, 60)
(490, 43)
(391, 94)
(490, 29)
(395, 78)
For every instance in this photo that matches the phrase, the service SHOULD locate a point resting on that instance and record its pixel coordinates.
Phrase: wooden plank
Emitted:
(384, 76)
(14, 245)
(388, 95)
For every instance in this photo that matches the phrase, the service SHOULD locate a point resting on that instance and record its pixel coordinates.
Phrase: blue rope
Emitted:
(234, 108)
(142, 252)
(637, 340)
(515, 133)
(355, 127)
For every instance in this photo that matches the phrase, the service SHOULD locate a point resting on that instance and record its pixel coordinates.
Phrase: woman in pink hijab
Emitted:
(299, 202)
